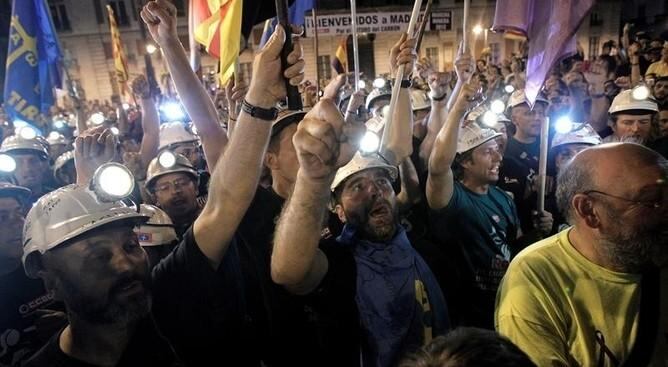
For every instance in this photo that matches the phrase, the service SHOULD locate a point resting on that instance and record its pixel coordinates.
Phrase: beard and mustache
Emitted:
(637, 249)
(380, 229)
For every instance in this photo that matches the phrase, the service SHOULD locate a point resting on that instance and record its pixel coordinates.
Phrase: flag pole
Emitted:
(396, 88)
(467, 5)
(315, 52)
(356, 57)
(423, 26)
(542, 164)
(294, 98)
(195, 57)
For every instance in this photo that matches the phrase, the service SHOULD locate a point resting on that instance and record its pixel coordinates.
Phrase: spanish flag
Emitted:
(120, 62)
(217, 26)
(340, 62)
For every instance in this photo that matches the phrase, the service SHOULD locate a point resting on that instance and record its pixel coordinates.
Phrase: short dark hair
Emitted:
(457, 167)
(468, 346)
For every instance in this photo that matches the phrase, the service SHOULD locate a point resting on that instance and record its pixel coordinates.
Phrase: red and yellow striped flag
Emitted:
(120, 62)
(218, 27)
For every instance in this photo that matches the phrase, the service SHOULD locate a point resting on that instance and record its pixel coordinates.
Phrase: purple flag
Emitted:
(549, 25)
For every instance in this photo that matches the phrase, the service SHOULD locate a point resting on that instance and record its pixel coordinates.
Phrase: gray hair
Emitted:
(574, 178)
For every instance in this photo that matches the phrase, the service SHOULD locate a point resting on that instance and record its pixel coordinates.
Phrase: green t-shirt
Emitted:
(479, 230)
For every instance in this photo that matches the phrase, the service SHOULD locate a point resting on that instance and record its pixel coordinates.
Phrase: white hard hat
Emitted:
(56, 138)
(17, 143)
(173, 133)
(286, 118)
(584, 135)
(375, 124)
(472, 136)
(158, 230)
(169, 162)
(518, 97)
(419, 99)
(8, 189)
(69, 212)
(476, 112)
(361, 163)
(624, 101)
(377, 93)
(62, 160)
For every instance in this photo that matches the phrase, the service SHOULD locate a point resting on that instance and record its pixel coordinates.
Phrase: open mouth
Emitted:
(379, 211)
(134, 286)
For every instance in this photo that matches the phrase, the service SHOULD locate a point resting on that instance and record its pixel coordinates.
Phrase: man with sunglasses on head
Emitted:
(596, 294)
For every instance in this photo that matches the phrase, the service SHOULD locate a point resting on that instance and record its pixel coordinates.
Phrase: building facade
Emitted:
(83, 29)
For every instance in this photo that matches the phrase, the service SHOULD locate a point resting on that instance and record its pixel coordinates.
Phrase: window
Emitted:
(246, 72)
(121, 14)
(595, 19)
(324, 67)
(593, 47)
(99, 16)
(59, 15)
(432, 55)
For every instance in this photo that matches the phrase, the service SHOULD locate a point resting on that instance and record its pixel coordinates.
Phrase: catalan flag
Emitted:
(218, 27)
(340, 62)
(120, 62)
(33, 60)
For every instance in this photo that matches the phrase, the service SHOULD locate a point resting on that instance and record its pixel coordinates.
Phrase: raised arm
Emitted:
(323, 143)
(235, 178)
(440, 181)
(598, 118)
(150, 120)
(192, 93)
(439, 85)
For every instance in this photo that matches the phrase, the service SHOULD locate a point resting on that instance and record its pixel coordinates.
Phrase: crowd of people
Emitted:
(248, 234)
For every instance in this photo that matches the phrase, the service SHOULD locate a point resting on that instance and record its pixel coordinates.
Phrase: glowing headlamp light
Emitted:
(379, 83)
(498, 106)
(114, 130)
(27, 133)
(112, 182)
(53, 135)
(19, 124)
(489, 118)
(369, 143)
(7, 163)
(167, 159)
(173, 111)
(126, 106)
(509, 88)
(564, 125)
(97, 118)
(640, 93)
(362, 84)
(59, 124)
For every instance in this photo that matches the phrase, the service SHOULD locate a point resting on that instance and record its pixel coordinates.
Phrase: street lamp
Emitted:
(477, 29)
(150, 48)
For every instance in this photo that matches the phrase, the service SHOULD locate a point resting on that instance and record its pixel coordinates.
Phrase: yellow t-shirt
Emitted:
(660, 68)
(563, 310)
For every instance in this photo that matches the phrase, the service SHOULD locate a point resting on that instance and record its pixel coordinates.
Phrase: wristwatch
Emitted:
(405, 83)
(268, 114)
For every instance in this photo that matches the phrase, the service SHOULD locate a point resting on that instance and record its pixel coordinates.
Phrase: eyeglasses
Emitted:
(654, 204)
(174, 185)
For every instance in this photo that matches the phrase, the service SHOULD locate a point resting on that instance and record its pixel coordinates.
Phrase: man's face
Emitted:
(190, 151)
(501, 141)
(176, 194)
(634, 232)
(12, 217)
(368, 202)
(103, 277)
(286, 162)
(637, 127)
(661, 90)
(663, 122)
(528, 122)
(566, 152)
(30, 170)
(483, 167)
(560, 101)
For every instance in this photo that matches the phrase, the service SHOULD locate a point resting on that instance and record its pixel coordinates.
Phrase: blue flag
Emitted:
(296, 13)
(33, 60)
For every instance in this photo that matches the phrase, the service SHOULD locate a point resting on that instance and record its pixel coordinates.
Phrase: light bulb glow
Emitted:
(167, 159)
(19, 123)
(362, 84)
(126, 106)
(369, 143)
(59, 124)
(115, 181)
(379, 83)
(489, 118)
(53, 135)
(564, 125)
(193, 128)
(97, 118)
(114, 130)
(640, 92)
(509, 88)
(477, 29)
(173, 111)
(150, 48)
(27, 133)
(498, 106)
(7, 163)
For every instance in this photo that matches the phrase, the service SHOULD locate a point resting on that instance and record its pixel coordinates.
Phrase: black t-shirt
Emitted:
(20, 298)
(660, 146)
(479, 232)
(145, 348)
(518, 171)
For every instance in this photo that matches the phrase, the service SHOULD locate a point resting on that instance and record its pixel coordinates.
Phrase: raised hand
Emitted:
(403, 55)
(439, 83)
(324, 142)
(160, 19)
(334, 86)
(355, 105)
(234, 95)
(267, 86)
(464, 64)
(140, 87)
(92, 149)
(466, 99)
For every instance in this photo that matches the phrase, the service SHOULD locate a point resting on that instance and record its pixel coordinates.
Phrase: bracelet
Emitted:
(405, 83)
(267, 114)
(438, 99)
(597, 95)
(636, 64)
